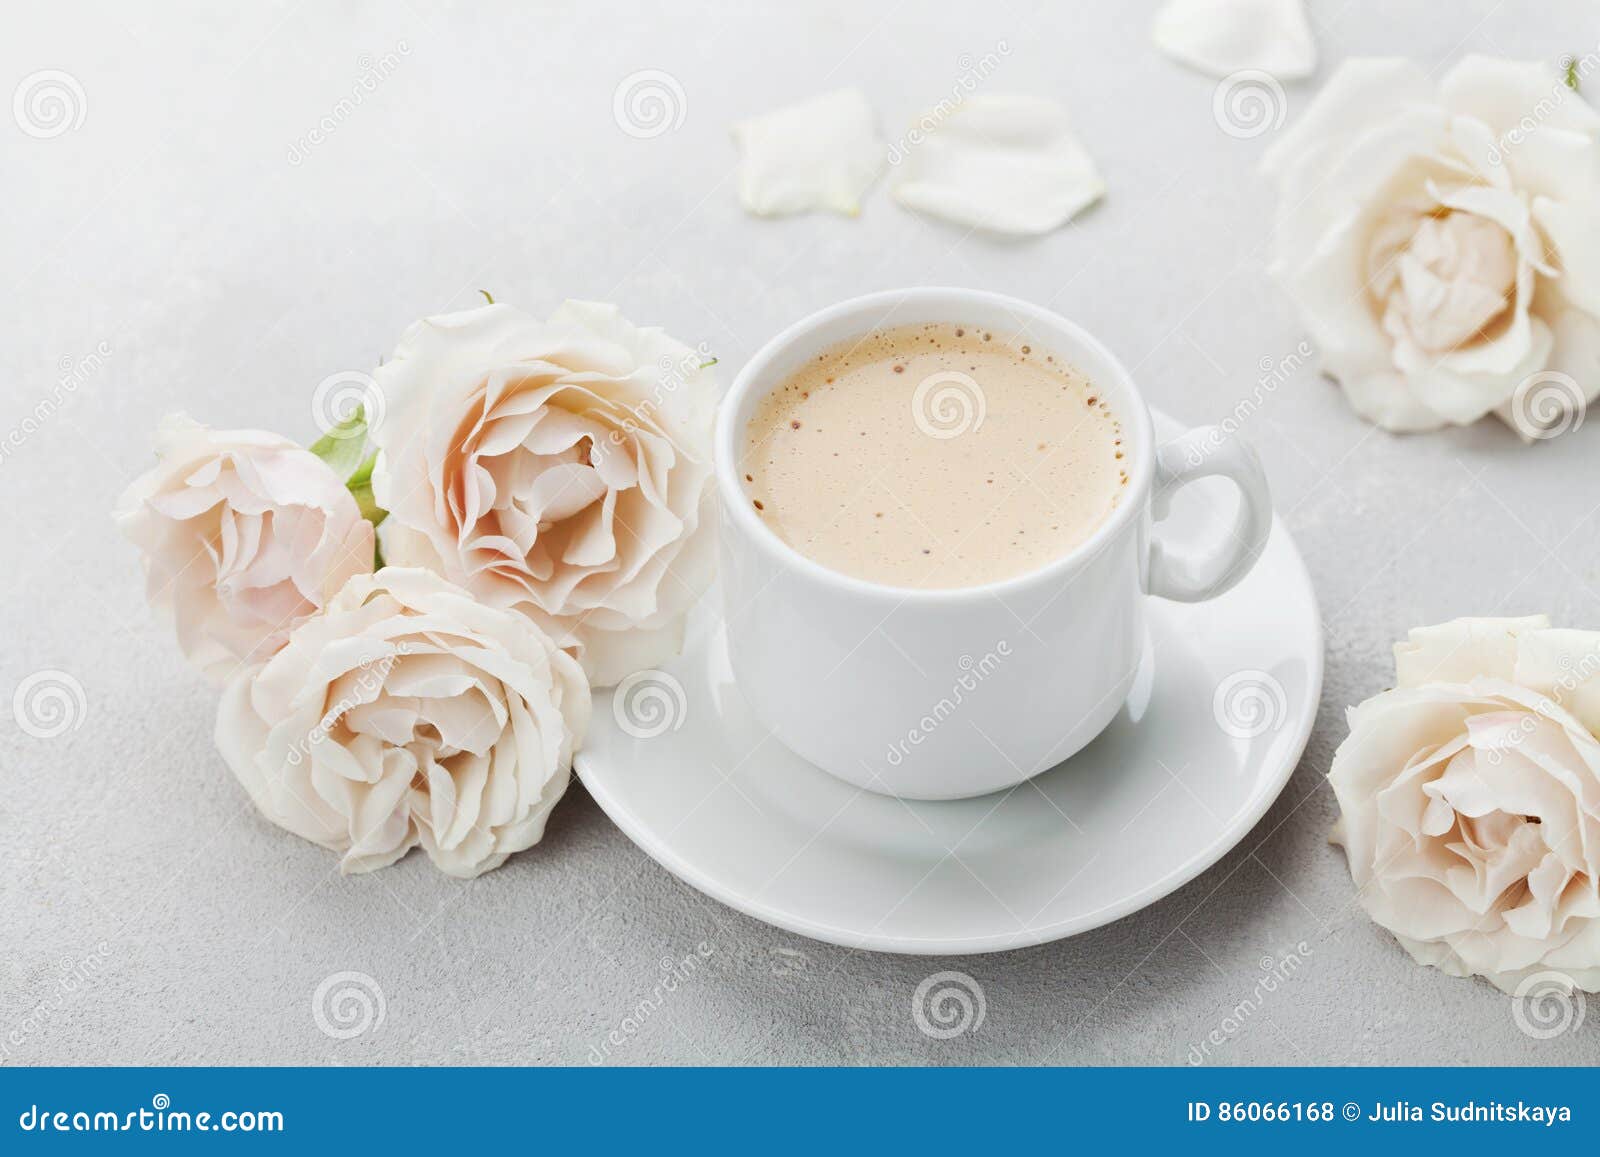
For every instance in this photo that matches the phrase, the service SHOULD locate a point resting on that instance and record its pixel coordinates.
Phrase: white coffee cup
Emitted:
(942, 694)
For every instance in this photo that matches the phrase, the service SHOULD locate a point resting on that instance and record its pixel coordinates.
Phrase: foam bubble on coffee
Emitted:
(935, 456)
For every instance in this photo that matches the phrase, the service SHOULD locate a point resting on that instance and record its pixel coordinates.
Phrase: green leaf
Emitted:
(344, 446)
(360, 487)
(363, 473)
(370, 510)
(361, 491)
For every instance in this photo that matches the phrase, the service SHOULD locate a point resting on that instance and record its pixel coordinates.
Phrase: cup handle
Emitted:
(1191, 576)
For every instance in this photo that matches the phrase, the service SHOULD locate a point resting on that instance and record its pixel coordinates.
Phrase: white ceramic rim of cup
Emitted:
(903, 307)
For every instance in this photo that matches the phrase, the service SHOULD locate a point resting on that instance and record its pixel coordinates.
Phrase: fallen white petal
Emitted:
(822, 153)
(1001, 162)
(1220, 37)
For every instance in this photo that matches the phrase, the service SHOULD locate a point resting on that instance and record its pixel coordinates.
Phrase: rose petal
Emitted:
(1361, 92)
(822, 153)
(1574, 233)
(1220, 37)
(1002, 162)
(1462, 650)
(1503, 93)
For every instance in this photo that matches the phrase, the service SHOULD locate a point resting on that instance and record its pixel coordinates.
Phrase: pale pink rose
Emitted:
(408, 713)
(1469, 801)
(244, 534)
(556, 467)
(1442, 240)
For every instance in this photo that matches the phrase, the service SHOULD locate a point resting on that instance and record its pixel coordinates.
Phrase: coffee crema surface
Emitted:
(934, 456)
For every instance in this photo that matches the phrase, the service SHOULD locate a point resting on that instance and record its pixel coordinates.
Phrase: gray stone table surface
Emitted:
(260, 195)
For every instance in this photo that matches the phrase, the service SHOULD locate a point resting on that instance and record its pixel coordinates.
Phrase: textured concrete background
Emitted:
(148, 915)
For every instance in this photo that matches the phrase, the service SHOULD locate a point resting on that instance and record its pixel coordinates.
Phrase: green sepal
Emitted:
(344, 446)
(360, 486)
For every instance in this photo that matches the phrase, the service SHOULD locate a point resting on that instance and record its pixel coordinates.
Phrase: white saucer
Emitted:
(1217, 720)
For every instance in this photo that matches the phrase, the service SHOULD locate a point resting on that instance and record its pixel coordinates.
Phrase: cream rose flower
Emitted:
(556, 467)
(1469, 800)
(244, 534)
(1443, 241)
(408, 713)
